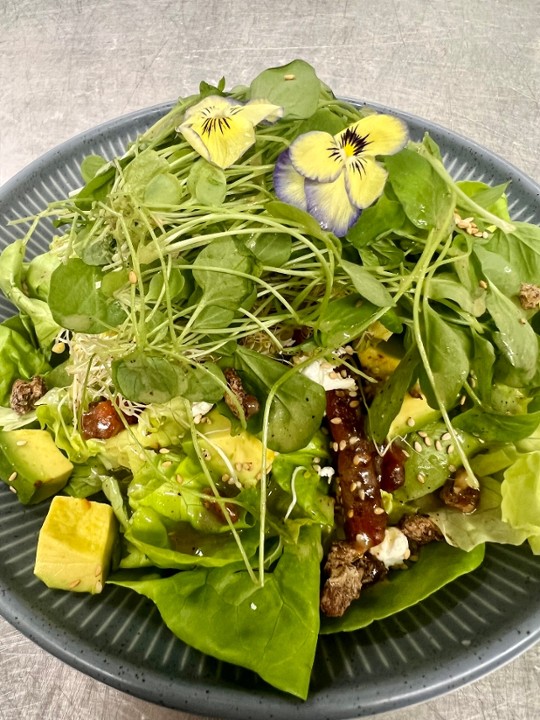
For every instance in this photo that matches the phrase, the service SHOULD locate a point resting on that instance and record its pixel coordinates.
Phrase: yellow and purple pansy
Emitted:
(334, 177)
(221, 129)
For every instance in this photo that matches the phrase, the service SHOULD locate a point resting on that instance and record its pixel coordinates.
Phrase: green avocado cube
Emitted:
(75, 545)
(32, 465)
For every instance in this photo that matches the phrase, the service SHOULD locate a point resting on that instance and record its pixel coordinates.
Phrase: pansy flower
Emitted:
(333, 177)
(222, 129)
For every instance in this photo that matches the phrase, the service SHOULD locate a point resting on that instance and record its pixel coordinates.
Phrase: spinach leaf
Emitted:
(222, 290)
(149, 378)
(298, 406)
(491, 198)
(515, 339)
(344, 320)
(388, 400)
(244, 623)
(448, 358)
(380, 219)
(437, 565)
(90, 166)
(446, 287)
(496, 427)
(295, 87)
(77, 302)
(482, 363)
(367, 285)
(521, 249)
(421, 191)
(207, 183)
(498, 270)
(163, 190)
(271, 249)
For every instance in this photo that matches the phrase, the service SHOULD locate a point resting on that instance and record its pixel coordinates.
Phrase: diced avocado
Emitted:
(432, 458)
(75, 545)
(379, 358)
(31, 463)
(415, 412)
(244, 452)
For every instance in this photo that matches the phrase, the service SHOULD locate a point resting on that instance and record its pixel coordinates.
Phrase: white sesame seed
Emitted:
(98, 570)
(428, 441)
(289, 76)
(378, 511)
(21, 443)
(13, 476)
(356, 460)
(58, 348)
(336, 421)
(421, 479)
(164, 451)
(438, 446)
(342, 444)
(450, 449)
(74, 584)
(417, 446)
(12, 489)
(411, 422)
(99, 587)
(483, 284)
(132, 277)
(446, 436)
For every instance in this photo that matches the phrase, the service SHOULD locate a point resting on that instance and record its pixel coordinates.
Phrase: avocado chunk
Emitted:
(415, 412)
(32, 465)
(379, 358)
(243, 453)
(75, 545)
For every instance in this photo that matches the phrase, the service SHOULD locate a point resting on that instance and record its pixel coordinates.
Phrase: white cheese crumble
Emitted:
(326, 472)
(199, 409)
(324, 373)
(394, 549)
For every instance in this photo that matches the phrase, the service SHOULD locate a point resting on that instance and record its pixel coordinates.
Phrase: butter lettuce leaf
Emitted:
(271, 629)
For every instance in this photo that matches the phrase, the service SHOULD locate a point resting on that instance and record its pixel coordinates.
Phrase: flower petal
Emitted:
(364, 180)
(383, 134)
(217, 131)
(289, 184)
(316, 156)
(258, 110)
(329, 203)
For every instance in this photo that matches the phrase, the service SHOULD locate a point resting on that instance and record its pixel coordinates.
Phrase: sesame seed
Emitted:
(452, 468)
(166, 464)
(352, 487)
(485, 234)
(421, 479)
(407, 455)
(362, 494)
(21, 443)
(333, 375)
(197, 419)
(98, 570)
(164, 451)
(378, 511)
(411, 422)
(463, 400)
(353, 393)
(74, 584)
(483, 284)
(417, 446)
(316, 460)
(335, 446)
(450, 449)
(13, 476)
(438, 446)
(58, 348)
(342, 444)
(343, 373)
(354, 403)
(316, 467)
(132, 277)
(350, 514)
(12, 489)
(428, 441)
(522, 321)
(238, 466)
(336, 421)
(353, 440)
(225, 477)
(473, 383)
(356, 460)
(99, 587)
(422, 434)
(289, 76)
(446, 436)
(349, 350)
(179, 479)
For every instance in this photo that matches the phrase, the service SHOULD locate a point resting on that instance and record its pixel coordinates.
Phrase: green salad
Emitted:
(278, 372)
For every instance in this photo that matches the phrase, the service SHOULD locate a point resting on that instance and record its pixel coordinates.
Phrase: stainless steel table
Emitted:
(66, 65)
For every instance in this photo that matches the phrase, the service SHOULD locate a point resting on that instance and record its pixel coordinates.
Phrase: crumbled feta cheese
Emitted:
(198, 409)
(324, 373)
(394, 549)
(327, 472)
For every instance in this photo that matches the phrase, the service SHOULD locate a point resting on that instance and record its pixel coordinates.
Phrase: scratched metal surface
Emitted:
(66, 65)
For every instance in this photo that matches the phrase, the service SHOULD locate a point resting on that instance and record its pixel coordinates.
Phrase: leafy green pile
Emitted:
(167, 269)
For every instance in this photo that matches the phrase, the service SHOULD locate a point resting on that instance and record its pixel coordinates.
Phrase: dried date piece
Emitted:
(249, 403)
(101, 421)
(358, 491)
(25, 394)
